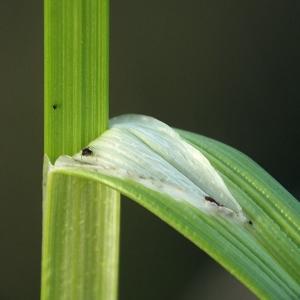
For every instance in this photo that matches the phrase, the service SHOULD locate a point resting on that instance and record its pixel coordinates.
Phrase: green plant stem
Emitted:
(76, 74)
(80, 218)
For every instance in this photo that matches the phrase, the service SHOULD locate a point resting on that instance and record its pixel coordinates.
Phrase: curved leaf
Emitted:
(212, 194)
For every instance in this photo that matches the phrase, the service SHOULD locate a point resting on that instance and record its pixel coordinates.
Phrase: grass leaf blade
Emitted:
(261, 249)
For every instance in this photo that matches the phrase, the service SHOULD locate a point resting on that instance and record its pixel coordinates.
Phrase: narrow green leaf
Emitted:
(251, 178)
(212, 194)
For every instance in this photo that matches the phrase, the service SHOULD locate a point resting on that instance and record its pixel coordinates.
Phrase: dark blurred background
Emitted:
(227, 69)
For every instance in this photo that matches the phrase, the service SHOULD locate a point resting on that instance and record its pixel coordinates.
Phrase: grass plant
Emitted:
(209, 192)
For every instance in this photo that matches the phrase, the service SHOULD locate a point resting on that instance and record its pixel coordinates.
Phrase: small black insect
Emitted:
(250, 222)
(86, 152)
(210, 199)
(54, 106)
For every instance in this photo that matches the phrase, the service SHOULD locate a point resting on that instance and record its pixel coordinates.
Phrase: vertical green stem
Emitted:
(80, 217)
(76, 73)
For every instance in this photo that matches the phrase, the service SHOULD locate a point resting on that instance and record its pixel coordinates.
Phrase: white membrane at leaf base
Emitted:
(145, 150)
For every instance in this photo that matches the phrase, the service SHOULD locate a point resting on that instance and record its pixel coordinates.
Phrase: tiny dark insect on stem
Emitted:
(86, 152)
(250, 222)
(212, 200)
(54, 106)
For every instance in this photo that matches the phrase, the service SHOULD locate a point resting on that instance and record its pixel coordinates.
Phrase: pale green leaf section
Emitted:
(81, 239)
(214, 195)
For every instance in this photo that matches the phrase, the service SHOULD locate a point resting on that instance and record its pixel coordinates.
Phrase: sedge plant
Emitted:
(215, 196)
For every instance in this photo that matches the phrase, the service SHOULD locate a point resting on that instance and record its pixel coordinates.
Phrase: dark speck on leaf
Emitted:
(210, 199)
(54, 106)
(250, 222)
(86, 152)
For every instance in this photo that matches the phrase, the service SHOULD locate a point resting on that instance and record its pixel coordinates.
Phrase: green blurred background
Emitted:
(227, 69)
